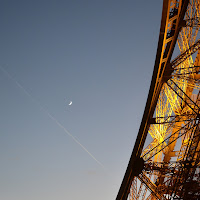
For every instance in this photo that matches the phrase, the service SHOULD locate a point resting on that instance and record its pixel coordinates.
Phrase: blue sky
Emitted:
(97, 54)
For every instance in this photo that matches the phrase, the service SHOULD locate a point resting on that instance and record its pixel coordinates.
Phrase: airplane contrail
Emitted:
(51, 117)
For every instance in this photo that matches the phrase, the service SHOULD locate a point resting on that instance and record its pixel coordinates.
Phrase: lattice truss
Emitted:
(172, 155)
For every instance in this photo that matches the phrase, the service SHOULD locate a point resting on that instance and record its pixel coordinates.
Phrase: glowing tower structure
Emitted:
(165, 162)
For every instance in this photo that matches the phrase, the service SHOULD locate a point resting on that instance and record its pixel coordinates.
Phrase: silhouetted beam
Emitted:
(163, 57)
(182, 57)
(150, 185)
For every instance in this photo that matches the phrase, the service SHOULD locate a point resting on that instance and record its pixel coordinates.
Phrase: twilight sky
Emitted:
(99, 54)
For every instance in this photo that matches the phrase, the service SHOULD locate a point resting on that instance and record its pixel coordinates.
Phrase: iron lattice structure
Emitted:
(165, 162)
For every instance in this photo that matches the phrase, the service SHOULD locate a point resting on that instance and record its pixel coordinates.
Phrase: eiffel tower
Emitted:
(165, 162)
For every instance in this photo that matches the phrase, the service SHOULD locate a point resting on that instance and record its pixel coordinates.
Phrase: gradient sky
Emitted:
(99, 55)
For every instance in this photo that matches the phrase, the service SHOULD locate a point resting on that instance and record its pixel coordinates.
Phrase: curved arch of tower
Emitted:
(165, 162)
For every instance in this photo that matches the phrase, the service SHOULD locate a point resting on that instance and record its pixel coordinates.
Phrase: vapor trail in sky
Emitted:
(50, 116)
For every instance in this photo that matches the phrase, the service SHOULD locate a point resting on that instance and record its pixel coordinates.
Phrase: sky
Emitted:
(100, 55)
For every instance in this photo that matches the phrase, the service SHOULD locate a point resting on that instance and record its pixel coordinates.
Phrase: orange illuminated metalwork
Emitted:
(165, 162)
